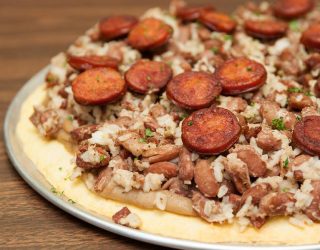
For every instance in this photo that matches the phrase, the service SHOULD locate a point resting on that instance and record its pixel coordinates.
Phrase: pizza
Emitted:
(188, 116)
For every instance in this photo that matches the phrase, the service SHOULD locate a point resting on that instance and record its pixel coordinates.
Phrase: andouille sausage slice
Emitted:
(306, 134)
(191, 13)
(240, 75)
(116, 26)
(311, 37)
(150, 33)
(217, 21)
(210, 131)
(98, 86)
(82, 63)
(290, 9)
(265, 29)
(145, 76)
(193, 90)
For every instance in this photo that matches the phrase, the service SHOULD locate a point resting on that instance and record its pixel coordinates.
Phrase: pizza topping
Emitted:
(240, 75)
(98, 86)
(191, 13)
(265, 29)
(193, 90)
(205, 179)
(149, 33)
(116, 26)
(306, 135)
(82, 63)
(126, 218)
(217, 21)
(311, 37)
(210, 131)
(148, 76)
(290, 9)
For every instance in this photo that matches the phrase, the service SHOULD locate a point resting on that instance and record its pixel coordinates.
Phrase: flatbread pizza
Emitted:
(188, 123)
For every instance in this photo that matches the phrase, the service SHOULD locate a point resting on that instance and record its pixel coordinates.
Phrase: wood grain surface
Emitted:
(31, 32)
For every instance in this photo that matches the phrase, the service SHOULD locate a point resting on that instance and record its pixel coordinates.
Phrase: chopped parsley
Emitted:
(294, 26)
(278, 124)
(190, 123)
(298, 117)
(308, 93)
(142, 140)
(148, 132)
(285, 190)
(70, 118)
(215, 50)
(51, 78)
(71, 201)
(286, 163)
(252, 104)
(60, 168)
(102, 158)
(249, 69)
(294, 90)
(55, 191)
(183, 116)
(227, 37)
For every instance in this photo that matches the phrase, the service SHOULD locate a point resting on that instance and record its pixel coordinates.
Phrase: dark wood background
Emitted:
(31, 32)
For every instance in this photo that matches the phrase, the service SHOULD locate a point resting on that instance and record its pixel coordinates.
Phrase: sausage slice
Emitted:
(116, 26)
(306, 134)
(146, 75)
(240, 75)
(191, 13)
(311, 37)
(98, 86)
(82, 63)
(290, 9)
(265, 29)
(217, 21)
(210, 131)
(149, 33)
(193, 90)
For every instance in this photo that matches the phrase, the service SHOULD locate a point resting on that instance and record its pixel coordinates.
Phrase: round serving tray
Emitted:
(28, 171)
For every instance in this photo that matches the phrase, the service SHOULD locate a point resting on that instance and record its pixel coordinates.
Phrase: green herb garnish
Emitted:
(286, 163)
(142, 140)
(55, 191)
(148, 132)
(102, 158)
(70, 118)
(71, 201)
(227, 37)
(278, 124)
(285, 190)
(190, 123)
(298, 117)
(308, 93)
(249, 69)
(214, 50)
(183, 116)
(60, 168)
(294, 90)
(294, 25)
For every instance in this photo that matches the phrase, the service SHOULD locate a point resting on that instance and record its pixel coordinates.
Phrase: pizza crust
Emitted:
(55, 163)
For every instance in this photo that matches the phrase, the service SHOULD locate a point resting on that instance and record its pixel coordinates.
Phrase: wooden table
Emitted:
(31, 32)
